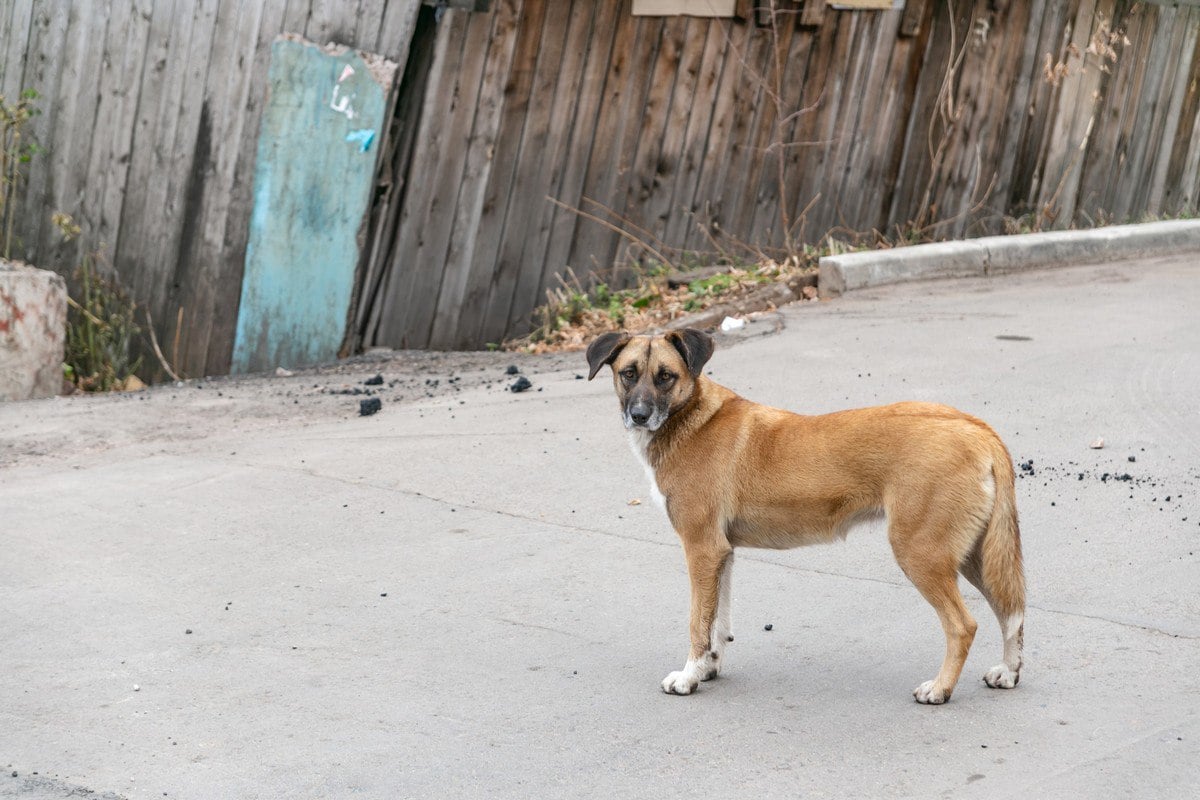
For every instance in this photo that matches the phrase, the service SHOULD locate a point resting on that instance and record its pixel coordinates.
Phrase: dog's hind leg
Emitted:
(1006, 674)
(995, 567)
(706, 570)
(935, 574)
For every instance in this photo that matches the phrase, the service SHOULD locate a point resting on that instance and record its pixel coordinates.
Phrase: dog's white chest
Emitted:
(639, 441)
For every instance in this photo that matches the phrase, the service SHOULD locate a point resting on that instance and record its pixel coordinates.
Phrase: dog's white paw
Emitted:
(1001, 677)
(930, 694)
(683, 682)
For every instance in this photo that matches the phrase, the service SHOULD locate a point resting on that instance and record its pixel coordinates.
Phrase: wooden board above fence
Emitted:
(691, 8)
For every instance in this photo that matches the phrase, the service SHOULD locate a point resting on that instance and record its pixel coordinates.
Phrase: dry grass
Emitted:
(578, 311)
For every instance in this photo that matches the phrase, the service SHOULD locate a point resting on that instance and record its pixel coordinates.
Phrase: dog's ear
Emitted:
(604, 349)
(695, 346)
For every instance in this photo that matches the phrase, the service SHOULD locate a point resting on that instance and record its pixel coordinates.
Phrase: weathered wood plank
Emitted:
(806, 136)
(1175, 96)
(577, 93)
(736, 95)
(483, 189)
(438, 167)
(111, 135)
(713, 161)
(682, 211)
(1184, 163)
(212, 270)
(806, 71)
(748, 134)
(1156, 110)
(608, 57)
(669, 167)
(834, 128)
(17, 17)
(461, 316)
(552, 64)
(653, 164)
(439, 223)
(1108, 154)
(884, 148)
(1060, 171)
(812, 14)
(1019, 115)
(914, 13)
(163, 166)
(926, 126)
(240, 203)
(865, 163)
(142, 214)
(395, 30)
(396, 156)
(42, 73)
(367, 24)
(1053, 26)
(296, 16)
(967, 173)
(404, 281)
(594, 248)
(755, 208)
(328, 22)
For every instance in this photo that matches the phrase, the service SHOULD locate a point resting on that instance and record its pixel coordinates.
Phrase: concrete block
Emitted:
(33, 325)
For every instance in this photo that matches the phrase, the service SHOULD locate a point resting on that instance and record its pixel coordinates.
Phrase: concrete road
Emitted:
(239, 598)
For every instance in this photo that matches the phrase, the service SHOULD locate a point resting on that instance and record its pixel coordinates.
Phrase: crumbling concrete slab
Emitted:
(33, 325)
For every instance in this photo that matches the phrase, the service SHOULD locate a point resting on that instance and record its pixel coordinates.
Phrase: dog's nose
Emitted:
(640, 413)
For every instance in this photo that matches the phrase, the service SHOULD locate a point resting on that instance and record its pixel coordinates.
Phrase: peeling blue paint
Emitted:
(364, 137)
(311, 198)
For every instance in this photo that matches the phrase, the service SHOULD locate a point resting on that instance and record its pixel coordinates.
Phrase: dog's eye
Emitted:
(629, 374)
(665, 378)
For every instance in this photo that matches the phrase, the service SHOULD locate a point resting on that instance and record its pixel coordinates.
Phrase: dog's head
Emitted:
(654, 376)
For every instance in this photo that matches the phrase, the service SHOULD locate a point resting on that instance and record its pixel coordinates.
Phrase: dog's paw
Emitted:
(930, 694)
(1001, 677)
(680, 683)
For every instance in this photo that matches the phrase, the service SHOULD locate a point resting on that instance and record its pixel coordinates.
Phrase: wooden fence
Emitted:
(939, 120)
(150, 114)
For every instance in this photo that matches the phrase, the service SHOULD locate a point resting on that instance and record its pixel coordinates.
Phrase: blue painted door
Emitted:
(313, 178)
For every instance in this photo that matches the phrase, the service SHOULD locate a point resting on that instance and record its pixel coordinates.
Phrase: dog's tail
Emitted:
(1002, 567)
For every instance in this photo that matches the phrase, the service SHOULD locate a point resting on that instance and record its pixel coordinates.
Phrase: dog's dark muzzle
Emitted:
(640, 412)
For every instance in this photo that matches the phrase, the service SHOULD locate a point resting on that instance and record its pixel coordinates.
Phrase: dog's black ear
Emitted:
(604, 349)
(695, 346)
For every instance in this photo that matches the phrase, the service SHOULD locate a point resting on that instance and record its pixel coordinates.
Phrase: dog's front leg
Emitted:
(709, 568)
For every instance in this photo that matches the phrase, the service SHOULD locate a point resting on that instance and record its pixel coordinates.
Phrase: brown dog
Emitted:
(731, 473)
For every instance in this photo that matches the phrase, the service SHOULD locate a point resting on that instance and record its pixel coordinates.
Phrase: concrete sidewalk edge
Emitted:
(997, 255)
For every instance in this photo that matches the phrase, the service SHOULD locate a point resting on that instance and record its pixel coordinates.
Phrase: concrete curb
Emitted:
(998, 255)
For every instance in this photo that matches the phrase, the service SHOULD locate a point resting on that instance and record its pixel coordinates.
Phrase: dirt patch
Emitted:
(83, 425)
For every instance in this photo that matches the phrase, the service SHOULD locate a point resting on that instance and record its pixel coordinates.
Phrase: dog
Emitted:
(731, 473)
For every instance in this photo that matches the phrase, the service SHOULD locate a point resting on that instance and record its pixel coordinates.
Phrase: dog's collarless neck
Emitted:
(690, 416)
